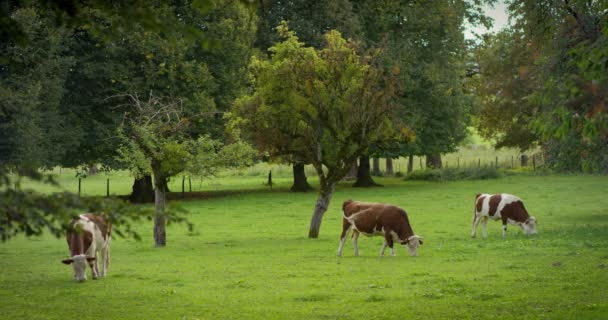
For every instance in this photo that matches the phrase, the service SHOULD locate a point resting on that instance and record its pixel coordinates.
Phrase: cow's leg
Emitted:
(383, 248)
(355, 245)
(484, 226)
(345, 230)
(94, 268)
(388, 239)
(504, 227)
(476, 219)
(105, 257)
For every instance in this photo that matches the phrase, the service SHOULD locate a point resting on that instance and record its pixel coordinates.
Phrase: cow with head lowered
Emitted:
(377, 219)
(88, 235)
(505, 207)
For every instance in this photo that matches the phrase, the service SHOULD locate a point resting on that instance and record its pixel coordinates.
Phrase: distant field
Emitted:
(256, 176)
(250, 259)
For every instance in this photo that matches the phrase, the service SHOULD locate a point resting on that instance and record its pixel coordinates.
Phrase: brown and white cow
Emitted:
(377, 219)
(88, 235)
(506, 207)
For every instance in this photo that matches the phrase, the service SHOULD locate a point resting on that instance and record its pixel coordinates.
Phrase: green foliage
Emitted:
(504, 86)
(425, 42)
(32, 127)
(552, 86)
(325, 106)
(454, 174)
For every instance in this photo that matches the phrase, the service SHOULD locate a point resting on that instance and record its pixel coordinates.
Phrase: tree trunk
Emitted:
(410, 163)
(300, 184)
(376, 167)
(352, 173)
(389, 167)
(160, 237)
(320, 209)
(142, 191)
(364, 178)
(433, 161)
(165, 183)
(524, 160)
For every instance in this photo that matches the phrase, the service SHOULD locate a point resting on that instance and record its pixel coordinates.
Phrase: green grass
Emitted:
(250, 259)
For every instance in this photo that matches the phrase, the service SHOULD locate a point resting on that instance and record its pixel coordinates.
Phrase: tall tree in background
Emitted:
(558, 87)
(426, 41)
(34, 131)
(336, 101)
(504, 84)
(310, 20)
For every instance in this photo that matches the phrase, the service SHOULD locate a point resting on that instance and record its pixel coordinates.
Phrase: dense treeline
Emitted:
(544, 82)
(162, 88)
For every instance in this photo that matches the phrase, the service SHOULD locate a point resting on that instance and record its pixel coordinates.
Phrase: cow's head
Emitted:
(79, 264)
(412, 243)
(529, 226)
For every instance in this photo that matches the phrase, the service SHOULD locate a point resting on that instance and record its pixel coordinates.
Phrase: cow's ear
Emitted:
(91, 259)
(67, 261)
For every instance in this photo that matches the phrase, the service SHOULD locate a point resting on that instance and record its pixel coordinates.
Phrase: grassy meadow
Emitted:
(249, 258)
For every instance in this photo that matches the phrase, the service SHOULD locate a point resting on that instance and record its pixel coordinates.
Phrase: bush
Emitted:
(452, 174)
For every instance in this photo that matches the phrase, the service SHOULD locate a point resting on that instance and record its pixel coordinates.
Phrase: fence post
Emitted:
(190, 183)
(478, 163)
(79, 184)
(270, 179)
(107, 187)
(534, 162)
(446, 164)
(420, 162)
(496, 166)
(183, 186)
(512, 163)
(458, 162)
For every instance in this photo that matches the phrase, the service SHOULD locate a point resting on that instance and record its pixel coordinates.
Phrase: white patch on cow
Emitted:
(79, 264)
(412, 245)
(529, 226)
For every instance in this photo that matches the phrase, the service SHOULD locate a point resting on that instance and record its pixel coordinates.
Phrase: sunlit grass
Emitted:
(249, 258)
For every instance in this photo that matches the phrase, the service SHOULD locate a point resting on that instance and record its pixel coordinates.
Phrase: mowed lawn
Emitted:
(250, 259)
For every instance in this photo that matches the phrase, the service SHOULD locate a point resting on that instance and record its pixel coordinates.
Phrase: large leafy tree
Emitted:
(426, 41)
(332, 102)
(34, 130)
(310, 20)
(61, 60)
(556, 95)
(504, 85)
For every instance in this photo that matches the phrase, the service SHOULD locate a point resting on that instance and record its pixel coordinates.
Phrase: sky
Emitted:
(498, 12)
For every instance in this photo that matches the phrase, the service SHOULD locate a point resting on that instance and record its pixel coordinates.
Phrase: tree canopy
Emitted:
(329, 104)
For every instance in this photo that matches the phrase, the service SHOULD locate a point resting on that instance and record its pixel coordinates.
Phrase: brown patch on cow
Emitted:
(102, 223)
(79, 241)
(515, 211)
(479, 202)
(494, 201)
(346, 203)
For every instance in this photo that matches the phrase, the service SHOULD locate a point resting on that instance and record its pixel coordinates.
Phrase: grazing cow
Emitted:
(88, 235)
(373, 219)
(506, 207)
